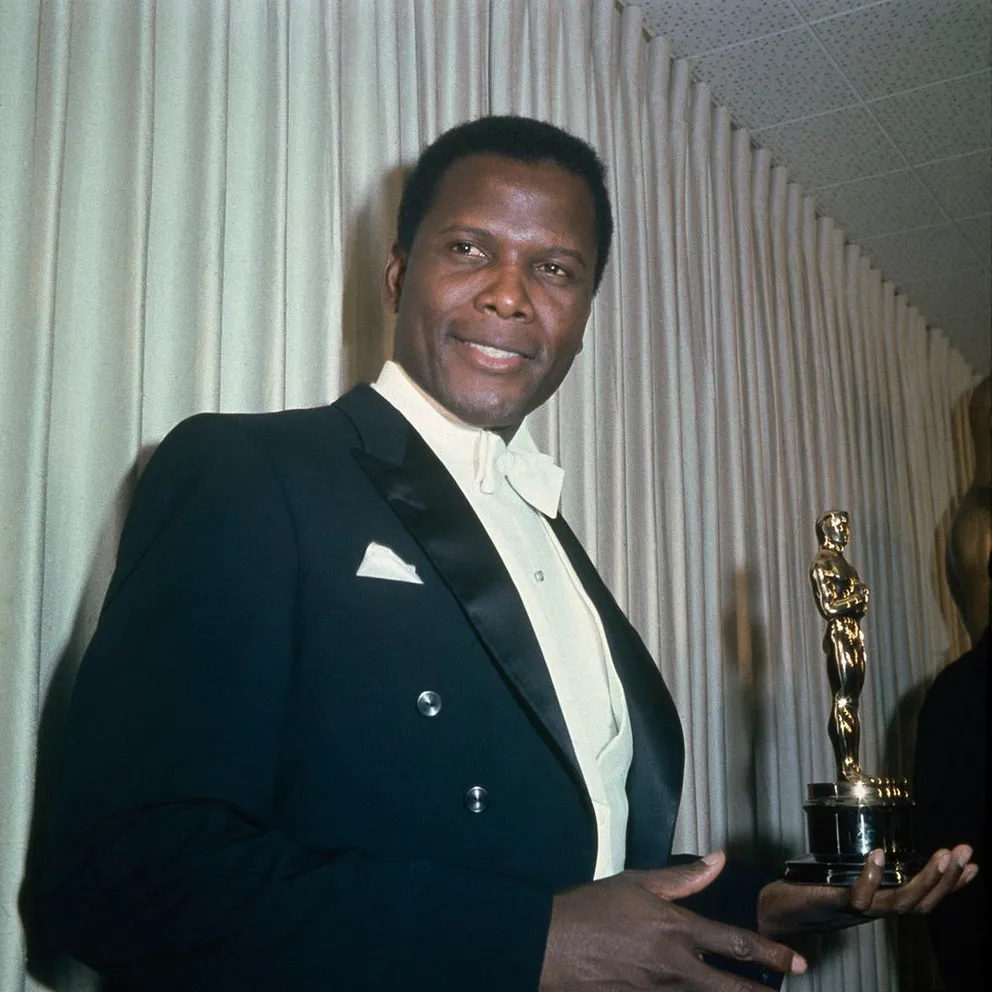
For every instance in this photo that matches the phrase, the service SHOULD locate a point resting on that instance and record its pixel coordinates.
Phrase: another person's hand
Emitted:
(625, 933)
(787, 908)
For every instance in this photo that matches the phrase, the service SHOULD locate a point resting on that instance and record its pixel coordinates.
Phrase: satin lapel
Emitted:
(654, 786)
(428, 502)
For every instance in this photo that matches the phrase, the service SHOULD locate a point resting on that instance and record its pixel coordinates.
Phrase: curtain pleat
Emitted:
(32, 164)
(196, 201)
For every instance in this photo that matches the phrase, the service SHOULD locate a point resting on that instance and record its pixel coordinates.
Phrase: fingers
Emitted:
(952, 866)
(708, 936)
(614, 934)
(863, 891)
(962, 855)
(699, 976)
(967, 875)
(945, 872)
(744, 945)
(680, 881)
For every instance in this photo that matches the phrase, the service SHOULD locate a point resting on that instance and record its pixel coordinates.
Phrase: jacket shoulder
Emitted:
(283, 426)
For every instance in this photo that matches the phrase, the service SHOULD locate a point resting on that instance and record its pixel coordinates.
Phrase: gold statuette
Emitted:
(847, 819)
(842, 599)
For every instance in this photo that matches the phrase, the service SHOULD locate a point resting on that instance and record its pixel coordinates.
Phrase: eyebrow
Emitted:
(481, 232)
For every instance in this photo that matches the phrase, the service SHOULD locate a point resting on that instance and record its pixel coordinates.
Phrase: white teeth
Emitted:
(495, 352)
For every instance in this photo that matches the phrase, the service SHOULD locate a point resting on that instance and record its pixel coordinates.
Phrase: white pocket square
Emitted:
(381, 562)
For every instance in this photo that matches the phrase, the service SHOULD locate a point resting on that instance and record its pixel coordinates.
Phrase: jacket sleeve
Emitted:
(168, 868)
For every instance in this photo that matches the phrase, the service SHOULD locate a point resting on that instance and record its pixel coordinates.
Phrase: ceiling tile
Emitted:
(951, 294)
(936, 122)
(963, 185)
(831, 148)
(775, 79)
(903, 165)
(814, 9)
(977, 232)
(971, 334)
(864, 208)
(695, 26)
(904, 44)
(910, 256)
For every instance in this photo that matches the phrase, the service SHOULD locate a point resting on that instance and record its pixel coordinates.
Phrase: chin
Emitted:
(494, 417)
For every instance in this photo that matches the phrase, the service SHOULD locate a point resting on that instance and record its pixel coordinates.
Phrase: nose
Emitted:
(505, 293)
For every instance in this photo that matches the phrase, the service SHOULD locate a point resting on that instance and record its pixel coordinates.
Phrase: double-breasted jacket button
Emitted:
(477, 799)
(429, 703)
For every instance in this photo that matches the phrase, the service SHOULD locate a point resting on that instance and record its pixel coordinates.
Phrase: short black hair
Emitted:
(522, 139)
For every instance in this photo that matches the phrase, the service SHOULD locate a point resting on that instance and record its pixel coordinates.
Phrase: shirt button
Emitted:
(539, 576)
(477, 799)
(428, 703)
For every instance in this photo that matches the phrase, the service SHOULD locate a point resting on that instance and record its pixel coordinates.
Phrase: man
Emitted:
(950, 786)
(359, 713)
(842, 599)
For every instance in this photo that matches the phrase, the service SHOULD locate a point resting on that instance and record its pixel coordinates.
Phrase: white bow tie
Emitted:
(533, 475)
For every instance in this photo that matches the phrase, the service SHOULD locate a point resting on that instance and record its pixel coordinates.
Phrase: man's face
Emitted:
(493, 298)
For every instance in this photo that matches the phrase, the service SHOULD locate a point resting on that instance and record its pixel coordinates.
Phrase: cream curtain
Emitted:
(196, 197)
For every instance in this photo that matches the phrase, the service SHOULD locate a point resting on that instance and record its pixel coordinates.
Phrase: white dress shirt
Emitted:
(567, 626)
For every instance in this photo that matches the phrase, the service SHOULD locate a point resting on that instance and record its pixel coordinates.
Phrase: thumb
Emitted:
(680, 881)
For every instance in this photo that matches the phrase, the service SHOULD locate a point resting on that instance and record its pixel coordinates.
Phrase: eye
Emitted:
(466, 249)
(555, 270)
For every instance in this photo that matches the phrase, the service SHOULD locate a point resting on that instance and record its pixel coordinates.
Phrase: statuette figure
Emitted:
(842, 599)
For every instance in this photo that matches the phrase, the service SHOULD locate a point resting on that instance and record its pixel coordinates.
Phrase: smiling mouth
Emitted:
(492, 352)
(491, 359)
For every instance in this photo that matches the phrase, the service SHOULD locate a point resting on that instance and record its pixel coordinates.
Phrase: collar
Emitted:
(471, 453)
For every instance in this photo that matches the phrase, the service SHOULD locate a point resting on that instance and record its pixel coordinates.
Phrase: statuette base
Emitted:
(845, 822)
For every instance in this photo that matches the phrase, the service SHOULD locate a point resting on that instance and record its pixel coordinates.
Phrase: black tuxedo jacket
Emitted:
(252, 798)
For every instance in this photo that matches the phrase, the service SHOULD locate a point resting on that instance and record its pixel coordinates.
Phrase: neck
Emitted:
(506, 433)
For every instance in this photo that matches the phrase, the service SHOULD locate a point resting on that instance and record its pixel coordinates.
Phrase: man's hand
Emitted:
(787, 908)
(625, 933)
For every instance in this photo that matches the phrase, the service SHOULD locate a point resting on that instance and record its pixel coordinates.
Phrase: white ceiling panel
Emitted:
(925, 42)
(966, 291)
(962, 185)
(774, 79)
(938, 121)
(831, 148)
(814, 9)
(970, 333)
(885, 204)
(910, 256)
(977, 232)
(702, 25)
(882, 109)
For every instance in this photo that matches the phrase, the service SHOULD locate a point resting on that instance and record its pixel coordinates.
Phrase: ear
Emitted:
(392, 282)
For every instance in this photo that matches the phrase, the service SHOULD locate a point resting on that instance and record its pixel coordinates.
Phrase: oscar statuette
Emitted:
(849, 818)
